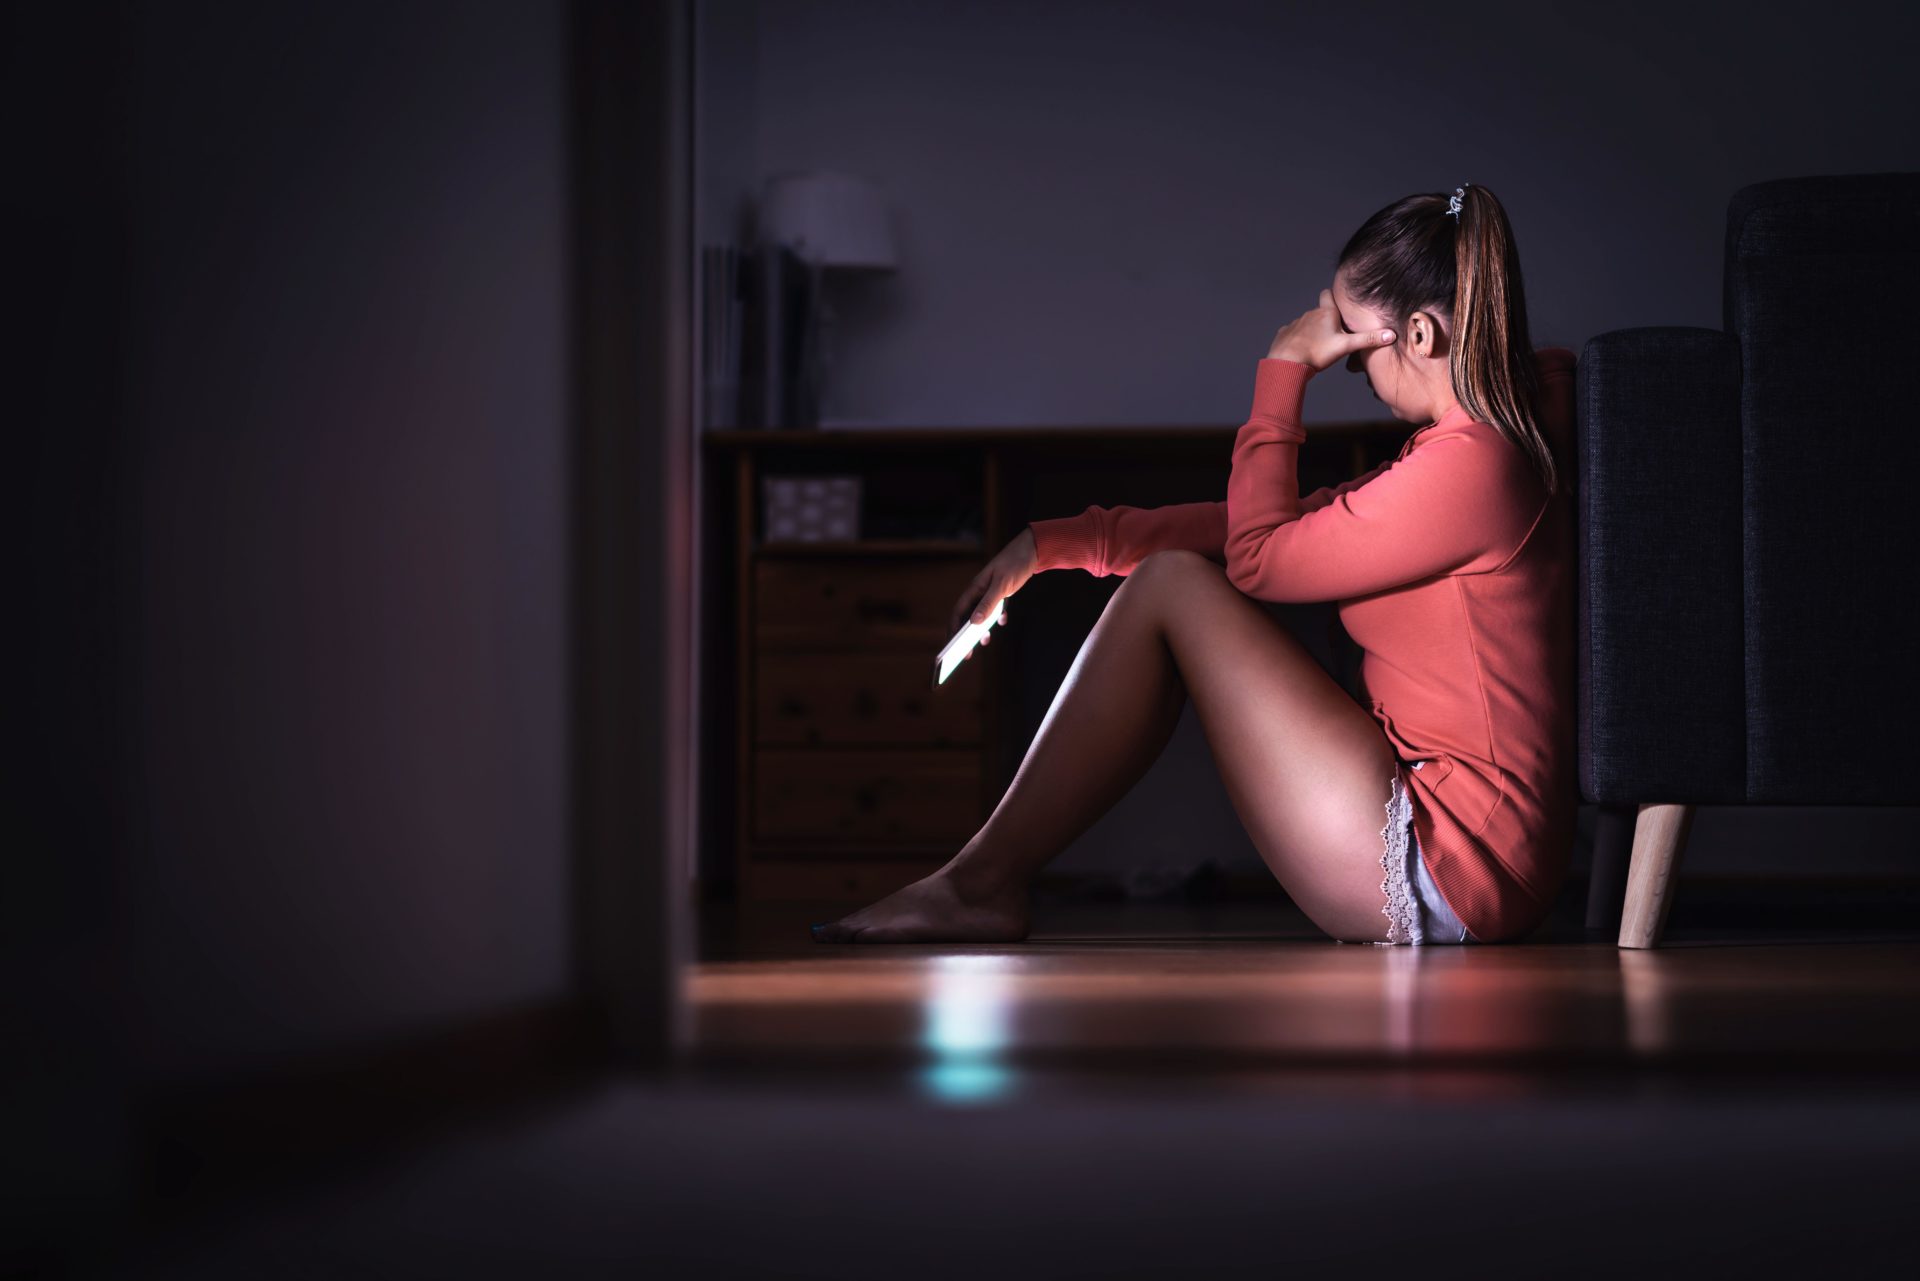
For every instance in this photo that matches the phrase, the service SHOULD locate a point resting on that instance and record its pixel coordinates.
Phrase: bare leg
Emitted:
(1307, 768)
(1109, 721)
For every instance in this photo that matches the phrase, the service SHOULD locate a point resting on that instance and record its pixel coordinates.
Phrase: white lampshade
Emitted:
(830, 219)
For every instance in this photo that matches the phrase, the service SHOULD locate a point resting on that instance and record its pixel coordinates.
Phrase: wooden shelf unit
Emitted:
(852, 773)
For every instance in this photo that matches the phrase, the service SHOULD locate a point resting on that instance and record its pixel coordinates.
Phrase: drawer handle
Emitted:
(870, 610)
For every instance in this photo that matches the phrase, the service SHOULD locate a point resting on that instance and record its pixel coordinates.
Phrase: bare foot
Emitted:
(932, 910)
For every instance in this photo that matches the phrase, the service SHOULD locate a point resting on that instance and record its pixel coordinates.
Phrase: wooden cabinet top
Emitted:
(891, 437)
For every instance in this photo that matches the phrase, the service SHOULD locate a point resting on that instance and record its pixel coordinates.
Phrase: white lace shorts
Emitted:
(1415, 910)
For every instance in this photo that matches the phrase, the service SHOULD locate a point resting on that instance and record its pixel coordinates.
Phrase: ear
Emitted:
(1425, 337)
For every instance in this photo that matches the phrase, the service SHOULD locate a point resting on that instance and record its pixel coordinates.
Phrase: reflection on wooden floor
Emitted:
(1132, 992)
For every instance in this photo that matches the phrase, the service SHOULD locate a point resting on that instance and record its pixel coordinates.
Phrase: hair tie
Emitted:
(1453, 201)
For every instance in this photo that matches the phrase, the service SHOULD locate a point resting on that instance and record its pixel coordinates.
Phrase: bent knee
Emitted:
(1175, 560)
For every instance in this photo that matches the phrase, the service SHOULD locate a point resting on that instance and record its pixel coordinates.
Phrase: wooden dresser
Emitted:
(846, 772)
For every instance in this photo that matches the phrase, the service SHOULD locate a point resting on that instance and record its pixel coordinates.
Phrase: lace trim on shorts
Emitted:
(1401, 909)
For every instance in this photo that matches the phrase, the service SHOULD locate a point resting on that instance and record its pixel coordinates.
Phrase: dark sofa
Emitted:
(1749, 512)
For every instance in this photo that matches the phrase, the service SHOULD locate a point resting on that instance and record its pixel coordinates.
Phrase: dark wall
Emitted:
(1104, 210)
(66, 771)
(293, 390)
(345, 400)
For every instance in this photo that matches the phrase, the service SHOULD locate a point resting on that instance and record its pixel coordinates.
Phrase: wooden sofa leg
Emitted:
(1659, 837)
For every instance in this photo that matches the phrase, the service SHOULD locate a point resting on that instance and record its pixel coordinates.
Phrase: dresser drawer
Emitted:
(924, 794)
(857, 698)
(804, 602)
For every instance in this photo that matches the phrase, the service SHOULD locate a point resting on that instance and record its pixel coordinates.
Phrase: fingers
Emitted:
(977, 602)
(1356, 342)
(982, 609)
(969, 601)
(996, 588)
(1372, 338)
(986, 637)
(982, 605)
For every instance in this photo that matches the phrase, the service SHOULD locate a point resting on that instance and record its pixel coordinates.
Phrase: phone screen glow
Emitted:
(963, 642)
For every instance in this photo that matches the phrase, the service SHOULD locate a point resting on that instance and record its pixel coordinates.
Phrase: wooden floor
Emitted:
(1183, 1090)
(1251, 990)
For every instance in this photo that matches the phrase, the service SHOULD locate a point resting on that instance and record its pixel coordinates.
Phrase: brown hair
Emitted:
(1413, 256)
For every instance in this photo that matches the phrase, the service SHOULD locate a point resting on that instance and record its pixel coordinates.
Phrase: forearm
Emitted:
(1465, 497)
(1114, 540)
(1263, 490)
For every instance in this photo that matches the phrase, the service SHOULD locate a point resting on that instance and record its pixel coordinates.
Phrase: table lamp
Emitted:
(833, 222)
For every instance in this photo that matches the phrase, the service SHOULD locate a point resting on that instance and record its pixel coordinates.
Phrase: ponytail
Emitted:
(1494, 377)
(1415, 255)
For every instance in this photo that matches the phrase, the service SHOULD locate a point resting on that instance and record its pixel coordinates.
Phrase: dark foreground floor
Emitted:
(637, 1180)
(1181, 1090)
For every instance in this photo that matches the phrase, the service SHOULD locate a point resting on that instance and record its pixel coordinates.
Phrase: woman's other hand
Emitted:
(1000, 578)
(1317, 340)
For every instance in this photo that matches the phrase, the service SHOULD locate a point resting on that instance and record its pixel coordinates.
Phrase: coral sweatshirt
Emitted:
(1454, 573)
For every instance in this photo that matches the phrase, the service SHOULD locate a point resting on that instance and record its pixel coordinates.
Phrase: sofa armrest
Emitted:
(1661, 709)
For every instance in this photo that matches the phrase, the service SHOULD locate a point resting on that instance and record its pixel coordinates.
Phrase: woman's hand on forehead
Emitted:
(1319, 340)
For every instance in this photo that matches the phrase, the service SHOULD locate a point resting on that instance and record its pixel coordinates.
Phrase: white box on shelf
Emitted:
(811, 508)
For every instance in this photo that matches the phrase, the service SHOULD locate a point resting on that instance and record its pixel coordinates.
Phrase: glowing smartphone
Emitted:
(962, 643)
